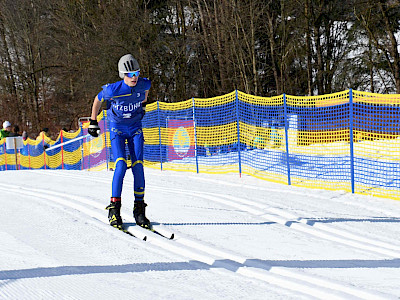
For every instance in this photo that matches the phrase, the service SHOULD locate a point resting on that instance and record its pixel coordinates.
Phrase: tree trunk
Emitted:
(253, 48)
(308, 47)
(393, 49)
(219, 19)
(272, 47)
(206, 42)
(11, 85)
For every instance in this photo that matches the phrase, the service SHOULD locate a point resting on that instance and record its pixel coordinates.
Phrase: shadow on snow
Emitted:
(194, 265)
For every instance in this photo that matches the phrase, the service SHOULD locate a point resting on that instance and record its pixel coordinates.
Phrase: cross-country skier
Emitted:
(126, 100)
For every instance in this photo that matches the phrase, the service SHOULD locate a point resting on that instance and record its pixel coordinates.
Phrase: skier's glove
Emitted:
(94, 129)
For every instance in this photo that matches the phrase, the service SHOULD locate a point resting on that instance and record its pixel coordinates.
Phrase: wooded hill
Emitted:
(56, 55)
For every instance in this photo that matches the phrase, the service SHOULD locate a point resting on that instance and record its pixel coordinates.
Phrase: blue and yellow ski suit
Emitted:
(125, 113)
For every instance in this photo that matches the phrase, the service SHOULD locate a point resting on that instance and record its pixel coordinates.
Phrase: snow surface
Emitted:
(235, 238)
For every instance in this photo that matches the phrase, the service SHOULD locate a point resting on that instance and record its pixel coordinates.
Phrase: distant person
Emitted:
(126, 99)
(44, 138)
(16, 131)
(6, 131)
(43, 134)
(24, 135)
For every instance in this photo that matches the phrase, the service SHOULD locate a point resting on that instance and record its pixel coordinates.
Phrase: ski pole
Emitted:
(65, 143)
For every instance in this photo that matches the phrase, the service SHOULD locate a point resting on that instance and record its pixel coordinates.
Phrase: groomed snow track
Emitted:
(217, 258)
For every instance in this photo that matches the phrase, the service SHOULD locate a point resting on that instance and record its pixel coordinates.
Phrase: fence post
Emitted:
(195, 136)
(105, 136)
(88, 152)
(5, 155)
(62, 150)
(286, 137)
(29, 153)
(238, 132)
(351, 119)
(159, 131)
(82, 151)
(44, 152)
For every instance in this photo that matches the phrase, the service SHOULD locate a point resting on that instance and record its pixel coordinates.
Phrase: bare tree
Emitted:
(379, 19)
(55, 56)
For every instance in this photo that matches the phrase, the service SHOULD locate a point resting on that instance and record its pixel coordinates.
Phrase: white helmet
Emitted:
(126, 64)
(6, 124)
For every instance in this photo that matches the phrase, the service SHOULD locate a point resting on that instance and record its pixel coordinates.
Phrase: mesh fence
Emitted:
(343, 141)
(70, 151)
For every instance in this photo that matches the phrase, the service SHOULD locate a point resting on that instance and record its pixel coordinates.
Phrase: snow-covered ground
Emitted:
(235, 238)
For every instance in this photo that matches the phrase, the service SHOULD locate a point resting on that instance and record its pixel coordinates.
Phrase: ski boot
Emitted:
(114, 212)
(140, 214)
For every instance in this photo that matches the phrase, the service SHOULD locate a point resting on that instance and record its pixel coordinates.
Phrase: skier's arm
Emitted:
(94, 129)
(95, 108)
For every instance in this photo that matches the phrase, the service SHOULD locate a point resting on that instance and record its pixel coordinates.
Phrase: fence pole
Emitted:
(286, 137)
(29, 153)
(90, 143)
(195, 136)
(62, 150)
(238, 133)
(44, 152)
(5, 155)
(19, 158)
(351, 117)
(82, 150)
(159, 132)
(105, 135)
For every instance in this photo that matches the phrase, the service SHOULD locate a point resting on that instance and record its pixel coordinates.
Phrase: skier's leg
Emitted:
(118, 150)
(114, 209)
(135, 145)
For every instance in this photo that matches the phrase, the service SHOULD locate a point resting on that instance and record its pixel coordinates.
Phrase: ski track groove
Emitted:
(289, 220)
(217, 258)
(181, 250)
(280, 216)
(325, 231)
(214, 262)
(297, 193)
(285, 218)
(158, 242)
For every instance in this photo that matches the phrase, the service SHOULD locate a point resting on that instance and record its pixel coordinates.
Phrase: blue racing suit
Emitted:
(125, 113)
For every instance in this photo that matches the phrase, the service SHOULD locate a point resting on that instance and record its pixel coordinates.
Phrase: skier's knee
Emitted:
(120, 164)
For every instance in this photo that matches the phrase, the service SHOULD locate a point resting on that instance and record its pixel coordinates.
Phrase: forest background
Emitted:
(56, 55)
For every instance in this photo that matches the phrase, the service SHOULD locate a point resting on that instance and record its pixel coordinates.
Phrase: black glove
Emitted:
(94, 129)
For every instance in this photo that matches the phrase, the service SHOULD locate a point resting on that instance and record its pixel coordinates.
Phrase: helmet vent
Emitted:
(129, 65)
